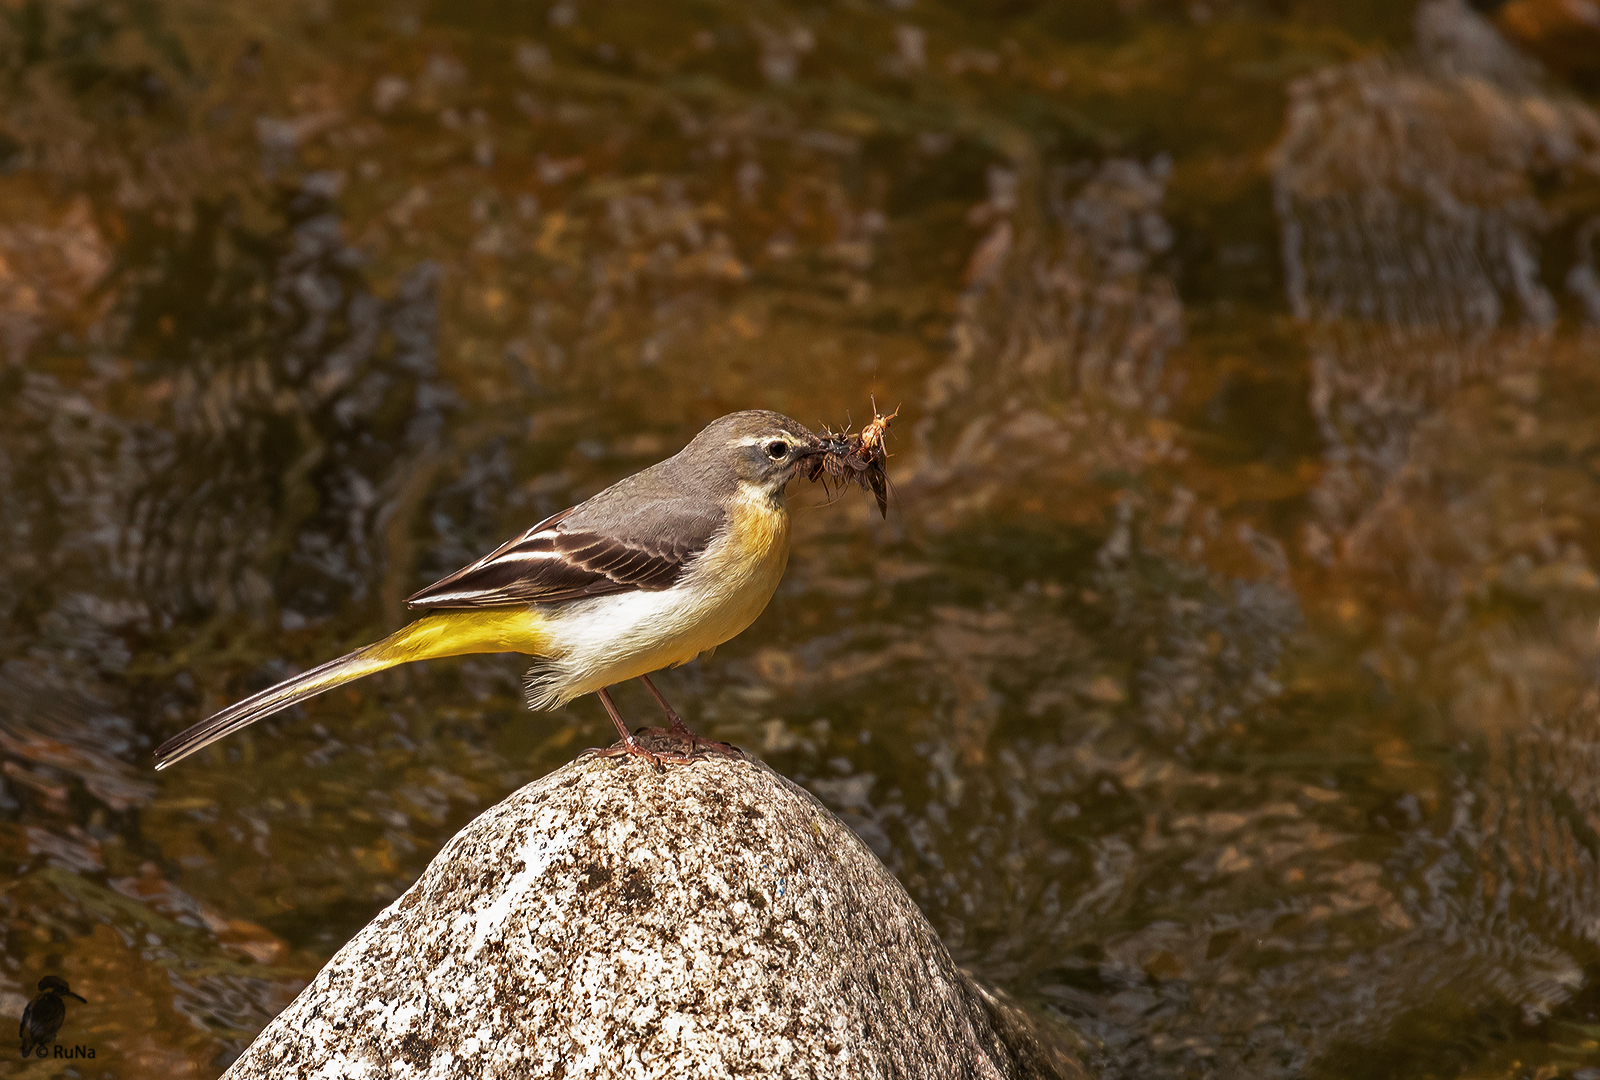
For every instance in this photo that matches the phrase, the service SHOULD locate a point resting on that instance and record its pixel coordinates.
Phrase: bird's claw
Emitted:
(680, 730)
(629, 747)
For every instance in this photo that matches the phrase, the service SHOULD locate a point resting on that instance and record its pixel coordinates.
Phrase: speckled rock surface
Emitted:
(608, 920)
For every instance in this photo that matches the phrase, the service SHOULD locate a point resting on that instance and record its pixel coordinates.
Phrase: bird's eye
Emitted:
(777, 449)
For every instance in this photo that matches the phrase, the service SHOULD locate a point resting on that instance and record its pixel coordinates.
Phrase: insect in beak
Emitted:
(860, 458)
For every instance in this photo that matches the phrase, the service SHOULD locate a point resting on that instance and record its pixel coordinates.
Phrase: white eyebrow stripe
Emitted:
(752, 440)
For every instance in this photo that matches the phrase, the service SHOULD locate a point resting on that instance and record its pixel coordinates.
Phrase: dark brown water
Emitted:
(1223, 682)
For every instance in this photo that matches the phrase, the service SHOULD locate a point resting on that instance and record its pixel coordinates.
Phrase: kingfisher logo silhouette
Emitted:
(43, 1018)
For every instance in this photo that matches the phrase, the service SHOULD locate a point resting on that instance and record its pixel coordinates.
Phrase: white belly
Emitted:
(610, 639)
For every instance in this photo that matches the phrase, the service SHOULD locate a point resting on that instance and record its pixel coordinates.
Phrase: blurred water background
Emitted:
(1223, 681)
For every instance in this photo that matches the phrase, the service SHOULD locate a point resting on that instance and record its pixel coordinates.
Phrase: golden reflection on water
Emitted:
(1222, 683)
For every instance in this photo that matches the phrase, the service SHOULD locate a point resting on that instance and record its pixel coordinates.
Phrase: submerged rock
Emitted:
(612, 920)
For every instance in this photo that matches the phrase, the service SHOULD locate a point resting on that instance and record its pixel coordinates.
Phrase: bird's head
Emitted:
(763, 449)
(55, 984)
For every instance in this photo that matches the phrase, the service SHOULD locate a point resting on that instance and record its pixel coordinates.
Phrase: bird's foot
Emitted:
(629, 747)
(679, 730)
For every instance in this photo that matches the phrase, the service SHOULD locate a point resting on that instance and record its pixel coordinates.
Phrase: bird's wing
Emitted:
(560, 559)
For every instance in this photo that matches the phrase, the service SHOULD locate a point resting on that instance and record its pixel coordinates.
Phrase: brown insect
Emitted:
(859, 458)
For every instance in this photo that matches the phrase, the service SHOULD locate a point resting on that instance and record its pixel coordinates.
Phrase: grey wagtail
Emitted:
(650, 573)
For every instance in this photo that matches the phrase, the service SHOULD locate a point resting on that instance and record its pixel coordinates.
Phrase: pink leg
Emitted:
(681, 730)
(629, 746)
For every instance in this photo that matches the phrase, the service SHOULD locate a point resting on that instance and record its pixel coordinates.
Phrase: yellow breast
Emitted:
(759, 528)
(736, 577)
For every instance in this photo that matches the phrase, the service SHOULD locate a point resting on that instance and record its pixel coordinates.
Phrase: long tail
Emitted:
(454, 633)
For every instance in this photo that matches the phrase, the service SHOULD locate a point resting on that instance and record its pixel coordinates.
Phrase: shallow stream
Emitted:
(1223, 682)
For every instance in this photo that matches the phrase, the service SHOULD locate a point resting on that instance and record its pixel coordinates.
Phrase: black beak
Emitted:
(807, 452)
(69, 993)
